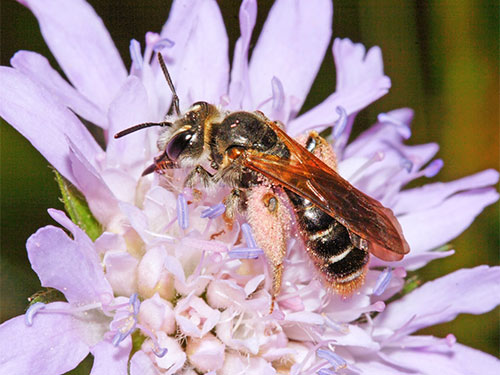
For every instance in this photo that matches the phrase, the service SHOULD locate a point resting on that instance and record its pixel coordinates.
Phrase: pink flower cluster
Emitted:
(167, 270)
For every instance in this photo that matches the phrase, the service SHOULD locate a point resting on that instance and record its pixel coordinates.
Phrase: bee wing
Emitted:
(309, 177)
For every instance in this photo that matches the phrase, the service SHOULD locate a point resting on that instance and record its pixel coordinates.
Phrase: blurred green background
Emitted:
(442, 58)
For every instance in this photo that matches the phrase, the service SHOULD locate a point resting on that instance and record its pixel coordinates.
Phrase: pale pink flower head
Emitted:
(168, 287)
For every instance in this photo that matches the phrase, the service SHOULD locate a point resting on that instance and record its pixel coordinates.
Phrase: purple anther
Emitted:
(406, 164)
(160, 352)
(214, 211)
(402, 128)
(31, 312)
(383, 281)
(245, 253)
(326, 371)
(433, 168)
(118, 338)
(135, 303)
(163, 43)
(247, 233)
(182, 211)
(341, 123)
(334, 359)
(278, 94)
(135, 53)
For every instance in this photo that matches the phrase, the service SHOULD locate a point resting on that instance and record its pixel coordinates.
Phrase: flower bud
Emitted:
(205, 354)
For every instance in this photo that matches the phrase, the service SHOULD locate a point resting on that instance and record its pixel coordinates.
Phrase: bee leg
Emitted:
(234, 202)
(270, 221)
(277, 276)
(198, 174)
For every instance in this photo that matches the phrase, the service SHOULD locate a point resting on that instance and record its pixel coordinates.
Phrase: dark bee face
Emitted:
(184, 140)
(181, 142)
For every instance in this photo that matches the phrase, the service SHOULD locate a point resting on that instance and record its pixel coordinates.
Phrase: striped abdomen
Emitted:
(341, 264)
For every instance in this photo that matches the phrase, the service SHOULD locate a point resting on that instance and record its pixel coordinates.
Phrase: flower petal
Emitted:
(412, 262)
(141, 364)
(37, 67)
(64, 264)
(130, 107)
(446, 221)
(52, 345)
(472, 291)
(291, 50)
(456, 361)
(121, 271)
(360, 81)
(44, 121)
(430, 195)
(240, 81)
(101, 200)
(109, 359)
(82, 46)
(200, 51)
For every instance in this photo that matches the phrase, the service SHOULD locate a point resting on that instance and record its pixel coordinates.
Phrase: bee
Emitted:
(268, 171)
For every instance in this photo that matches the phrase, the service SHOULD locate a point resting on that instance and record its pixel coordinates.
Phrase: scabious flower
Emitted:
(168, 287)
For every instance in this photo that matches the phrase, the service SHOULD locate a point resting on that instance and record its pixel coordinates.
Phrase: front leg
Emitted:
(198, 174)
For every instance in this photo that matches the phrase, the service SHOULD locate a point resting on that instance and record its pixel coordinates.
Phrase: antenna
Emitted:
(141, 126)
(175, 98)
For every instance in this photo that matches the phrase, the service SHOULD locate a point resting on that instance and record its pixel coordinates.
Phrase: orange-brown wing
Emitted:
(312, 179)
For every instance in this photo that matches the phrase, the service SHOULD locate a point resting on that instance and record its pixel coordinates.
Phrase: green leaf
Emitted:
(77, 208)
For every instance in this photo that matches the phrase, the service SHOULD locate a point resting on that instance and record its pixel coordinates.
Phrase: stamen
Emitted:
(334, 359)
(326, 371)
(182, 211)
(245, 253)
(135, 303)
(152, 38)
(406, 164)
(162, 44)
(40, 307)
(433, 168)
(117, 339)
(214, 211)
(247, 233)
(157, 349)
(402, 128)
(383, 281)
(376, 157)
(135, 53)
(128, 324)
(165, 237)
(31, 312)
(341, 123)
(278, 94)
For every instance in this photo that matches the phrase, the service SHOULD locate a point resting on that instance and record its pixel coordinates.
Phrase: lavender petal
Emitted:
(472, 291)
(290, 25)
(52, 345)
(79, 41)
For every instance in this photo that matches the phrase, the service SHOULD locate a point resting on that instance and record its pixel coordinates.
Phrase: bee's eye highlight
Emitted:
(178, 144)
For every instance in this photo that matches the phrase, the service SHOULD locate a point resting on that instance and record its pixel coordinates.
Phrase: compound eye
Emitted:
(178, 144)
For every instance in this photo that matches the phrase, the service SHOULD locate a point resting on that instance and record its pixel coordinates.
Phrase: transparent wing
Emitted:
(309, 177)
